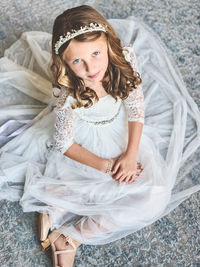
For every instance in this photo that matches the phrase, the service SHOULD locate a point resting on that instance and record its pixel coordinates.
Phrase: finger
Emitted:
(139, 170)
(127, 178)
(132, 179)
(115, 167)
(137, 174)
(122, 178)
(139, 167)
(119, 176)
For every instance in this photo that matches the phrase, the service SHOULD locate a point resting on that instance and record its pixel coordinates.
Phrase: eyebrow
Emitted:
(70, 58)
(67, 60)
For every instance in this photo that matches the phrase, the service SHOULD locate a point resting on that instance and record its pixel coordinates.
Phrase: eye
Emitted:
(96, 53)
(76, 61)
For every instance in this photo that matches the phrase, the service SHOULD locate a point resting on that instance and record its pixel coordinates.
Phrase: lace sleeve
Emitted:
(134, 103)
(64, 125)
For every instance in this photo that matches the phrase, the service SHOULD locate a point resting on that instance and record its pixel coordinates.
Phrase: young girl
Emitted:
(90, 168)
(99, 120)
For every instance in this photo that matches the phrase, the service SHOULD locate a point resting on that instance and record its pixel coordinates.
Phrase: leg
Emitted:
(88, 229)
(66, 259)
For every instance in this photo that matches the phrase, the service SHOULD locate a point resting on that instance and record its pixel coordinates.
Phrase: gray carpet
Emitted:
(175, 239)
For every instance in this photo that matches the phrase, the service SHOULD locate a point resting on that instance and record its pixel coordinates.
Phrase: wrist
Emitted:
(106, 165)
(103, 165)
(131, 153)
(109, 166)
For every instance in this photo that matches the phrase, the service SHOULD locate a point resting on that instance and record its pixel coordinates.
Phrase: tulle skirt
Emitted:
(83, 202)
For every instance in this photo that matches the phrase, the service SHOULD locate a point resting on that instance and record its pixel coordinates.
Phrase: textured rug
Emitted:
(175, 239)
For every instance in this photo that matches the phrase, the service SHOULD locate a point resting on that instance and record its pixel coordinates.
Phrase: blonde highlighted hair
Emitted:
(119, 79)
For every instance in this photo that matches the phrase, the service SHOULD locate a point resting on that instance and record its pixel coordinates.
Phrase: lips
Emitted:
(94, 76)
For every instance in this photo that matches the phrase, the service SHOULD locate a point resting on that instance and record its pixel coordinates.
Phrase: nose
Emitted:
(89, 66)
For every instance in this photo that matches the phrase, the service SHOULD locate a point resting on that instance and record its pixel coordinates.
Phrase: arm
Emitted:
(125, 168)
(82, 155)
(134, 135)
(64, 137)
(135, 110)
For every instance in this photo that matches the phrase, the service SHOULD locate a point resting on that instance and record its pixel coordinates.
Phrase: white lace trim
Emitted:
(61, 100)
(64, 125)
(64, 129)
(134, 103)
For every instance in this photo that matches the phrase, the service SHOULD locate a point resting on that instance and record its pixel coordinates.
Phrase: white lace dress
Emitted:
(83, 202)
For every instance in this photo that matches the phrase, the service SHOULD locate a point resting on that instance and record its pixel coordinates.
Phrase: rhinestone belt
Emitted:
(105, 121)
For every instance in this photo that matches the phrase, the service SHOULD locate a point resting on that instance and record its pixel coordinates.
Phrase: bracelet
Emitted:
(109, 168)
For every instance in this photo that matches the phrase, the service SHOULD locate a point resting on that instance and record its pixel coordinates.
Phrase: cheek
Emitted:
(78, 71)
(105, 62)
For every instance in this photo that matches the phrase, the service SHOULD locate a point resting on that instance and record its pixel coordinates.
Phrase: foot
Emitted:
(65, 259)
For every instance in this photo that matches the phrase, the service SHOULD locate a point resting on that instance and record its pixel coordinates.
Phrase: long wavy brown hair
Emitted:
(119, 79)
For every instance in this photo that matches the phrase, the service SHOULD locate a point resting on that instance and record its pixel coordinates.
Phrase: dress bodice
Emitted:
(105, 109)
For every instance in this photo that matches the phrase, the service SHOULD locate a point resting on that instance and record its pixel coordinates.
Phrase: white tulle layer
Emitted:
(83, 202)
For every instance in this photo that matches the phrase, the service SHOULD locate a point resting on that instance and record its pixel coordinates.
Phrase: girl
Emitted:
(91, 169)
(96, 85)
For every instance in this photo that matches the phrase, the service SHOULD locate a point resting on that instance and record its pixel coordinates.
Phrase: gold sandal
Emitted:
(44, 226)
(51, 240)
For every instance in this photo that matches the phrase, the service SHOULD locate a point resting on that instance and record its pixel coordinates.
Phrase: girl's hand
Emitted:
(125, 169)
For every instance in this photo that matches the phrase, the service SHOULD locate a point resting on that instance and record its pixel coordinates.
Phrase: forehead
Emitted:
(77, 49)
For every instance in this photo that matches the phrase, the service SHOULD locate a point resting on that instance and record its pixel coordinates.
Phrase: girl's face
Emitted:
(88, 60)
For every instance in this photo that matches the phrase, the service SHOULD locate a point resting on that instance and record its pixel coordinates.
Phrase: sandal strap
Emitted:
(58, 252)
(70, 241)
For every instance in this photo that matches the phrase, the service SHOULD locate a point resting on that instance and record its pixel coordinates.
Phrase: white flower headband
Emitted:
(70, 35)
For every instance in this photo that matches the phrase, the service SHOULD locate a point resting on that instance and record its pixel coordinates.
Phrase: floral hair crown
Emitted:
(70, 35)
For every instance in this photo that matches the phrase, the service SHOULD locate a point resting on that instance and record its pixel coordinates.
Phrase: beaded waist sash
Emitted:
(105, 121)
